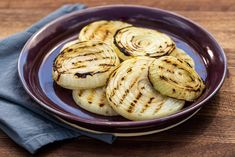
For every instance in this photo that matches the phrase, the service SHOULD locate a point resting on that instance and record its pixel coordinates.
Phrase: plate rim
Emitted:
(130, 134)
(127, 123)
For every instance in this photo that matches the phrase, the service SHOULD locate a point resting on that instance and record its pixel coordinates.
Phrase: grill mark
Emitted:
(188, 64)
(101, 104)
(180, 60)
(124, 96)
(96, 30)
(131, 107)
(133, 83)
(105, 35)
(174, 65)
(173, 81)
(91, 96)
(69, 50)
(81, 66)
(129, 70)
(147, 105)
(84, 75)
(89, 102)
(160, 67)
(167, 61)
(104, 64)
(170, 71)
(163, 78)
(133, 103)
(80, 93)
(187, 86)
(158, 108)
(138, 96)
(88, 54)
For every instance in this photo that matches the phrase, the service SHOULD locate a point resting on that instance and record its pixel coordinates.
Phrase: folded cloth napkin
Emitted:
(21, 118)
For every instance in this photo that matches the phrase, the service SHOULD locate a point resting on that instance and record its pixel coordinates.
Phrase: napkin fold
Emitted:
(21, 118)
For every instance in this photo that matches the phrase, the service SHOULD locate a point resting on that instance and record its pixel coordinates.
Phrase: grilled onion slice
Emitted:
(181, 54)
(101, 30)
(175, 78)
(93, 100)
(85, 64)
(130, 93)
(136, 41)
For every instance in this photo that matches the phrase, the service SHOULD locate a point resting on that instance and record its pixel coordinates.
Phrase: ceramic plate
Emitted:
(36, 59)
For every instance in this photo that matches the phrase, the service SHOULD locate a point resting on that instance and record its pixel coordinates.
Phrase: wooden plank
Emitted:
(224, 31)
(199, 5)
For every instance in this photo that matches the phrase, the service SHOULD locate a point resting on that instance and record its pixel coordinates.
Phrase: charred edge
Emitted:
(148, 76)
(116, 43)
(192, 78)
(58, 78)
(83, 75)
(173, 47)
(188, 64)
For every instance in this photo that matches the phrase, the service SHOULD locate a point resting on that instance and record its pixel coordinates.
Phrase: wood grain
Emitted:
(210, 133)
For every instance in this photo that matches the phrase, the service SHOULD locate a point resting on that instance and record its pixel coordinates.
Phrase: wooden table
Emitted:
(210, 133)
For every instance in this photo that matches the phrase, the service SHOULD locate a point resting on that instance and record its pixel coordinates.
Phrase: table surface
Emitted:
(210, 133)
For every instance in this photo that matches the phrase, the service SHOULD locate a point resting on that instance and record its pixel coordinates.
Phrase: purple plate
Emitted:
(35, 63)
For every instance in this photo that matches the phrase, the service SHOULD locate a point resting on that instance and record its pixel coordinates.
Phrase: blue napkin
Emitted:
(21, 118)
